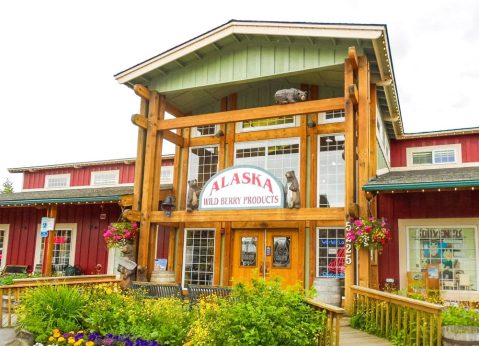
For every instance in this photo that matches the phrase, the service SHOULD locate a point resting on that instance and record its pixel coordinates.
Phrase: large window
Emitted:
(105, 178)
(3, 245)
(57, 181)
(330, 252)
(331, 182)
(199, 257)
(203, 164)
(275, 156)
(63, 247)
(453, 249)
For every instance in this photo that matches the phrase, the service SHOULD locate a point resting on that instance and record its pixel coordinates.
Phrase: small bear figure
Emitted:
(291, 191)
(290, 96)
(192, 196)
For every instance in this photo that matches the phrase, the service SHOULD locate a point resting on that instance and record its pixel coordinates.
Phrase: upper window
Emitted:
(331, 116)
(203, 164)
(57, 181)
(105, 178)
(331, 176)
(206, 130)
(166, 175)
(267, 124)
(438, 155)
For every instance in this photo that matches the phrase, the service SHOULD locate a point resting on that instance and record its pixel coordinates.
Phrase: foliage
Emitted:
(460, 317)
(7, 187)
(117, 234)
(371, 233)
(259, 314)
(47, 307)
(7, 279)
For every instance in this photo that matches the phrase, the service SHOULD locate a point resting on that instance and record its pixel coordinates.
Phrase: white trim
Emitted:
(67, 176)
(6, 228)
(111, 267)
(95, 174)
(58, 226)
(382, 171)
(254, 28)
(322, 117)
(436, 166)
(184, 252)
(240, 129)
(434, 148)
(79, 187)
(405, 224)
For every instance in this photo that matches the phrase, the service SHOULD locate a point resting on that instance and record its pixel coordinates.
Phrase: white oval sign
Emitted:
(242, 187)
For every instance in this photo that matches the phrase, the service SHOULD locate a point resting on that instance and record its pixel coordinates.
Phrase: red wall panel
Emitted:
(469, 144)
(162, 242)
(451, 204)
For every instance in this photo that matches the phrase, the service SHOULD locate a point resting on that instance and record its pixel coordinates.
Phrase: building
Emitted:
(83, 197)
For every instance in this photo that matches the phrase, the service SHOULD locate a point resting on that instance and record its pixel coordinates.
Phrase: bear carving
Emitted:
(289, 96)
(291, 191)
(192, 196)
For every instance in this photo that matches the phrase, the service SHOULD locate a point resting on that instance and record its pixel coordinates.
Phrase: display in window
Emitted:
(281, 252)
(248, 251)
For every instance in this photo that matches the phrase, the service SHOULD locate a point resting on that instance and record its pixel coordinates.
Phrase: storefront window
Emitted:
(249, 251)
(281, 252)
(330, 252)
(203, 164)
(62, 247)
(451, 248)
(199, 257)
(331, 180)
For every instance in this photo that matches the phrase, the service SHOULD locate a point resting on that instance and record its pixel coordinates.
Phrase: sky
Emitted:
(59, 101)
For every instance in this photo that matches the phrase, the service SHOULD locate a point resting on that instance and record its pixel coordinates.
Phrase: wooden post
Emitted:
(49, 244)
(140, 160)
(373, 147)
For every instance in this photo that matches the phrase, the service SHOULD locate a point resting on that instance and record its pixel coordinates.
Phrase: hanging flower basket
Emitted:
(118, 234)
(371, 233)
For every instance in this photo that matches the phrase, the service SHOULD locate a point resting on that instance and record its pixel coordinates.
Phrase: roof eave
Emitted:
(421, 186)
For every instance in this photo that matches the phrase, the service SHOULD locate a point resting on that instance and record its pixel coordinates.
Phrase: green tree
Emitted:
(7, 186)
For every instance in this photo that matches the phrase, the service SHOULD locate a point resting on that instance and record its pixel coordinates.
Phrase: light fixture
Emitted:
(329, 140)
(219, 134)
(168, 205)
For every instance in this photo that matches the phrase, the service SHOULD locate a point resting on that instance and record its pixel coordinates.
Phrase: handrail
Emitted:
(407, 320)
(334, 315)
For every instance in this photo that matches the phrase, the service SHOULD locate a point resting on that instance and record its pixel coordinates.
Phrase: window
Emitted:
(203, 164)
(423, 158)
(451, 248)
(331, 117)
(105, 178)
(57, 181)
(206, 130)
(63, 248)
(276, 156)
(264, 124)
(382, 137)
(199, 255)
(166, 175)
(3, 245)
(330, 252)
(434, 155)
(331, 181)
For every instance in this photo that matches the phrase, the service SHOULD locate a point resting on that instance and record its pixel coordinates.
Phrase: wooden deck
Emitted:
(350, 336)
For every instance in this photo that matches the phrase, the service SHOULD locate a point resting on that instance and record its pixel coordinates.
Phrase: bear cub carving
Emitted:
(193, 195)
(289, 96)
(291, 191)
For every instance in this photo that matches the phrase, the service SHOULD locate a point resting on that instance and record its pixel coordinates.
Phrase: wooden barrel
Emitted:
(460, 335)
(329, 290)
(163, 277)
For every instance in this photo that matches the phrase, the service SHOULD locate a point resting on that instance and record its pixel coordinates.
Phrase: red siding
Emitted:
(453, 204)
(469, 144)
(162, 242)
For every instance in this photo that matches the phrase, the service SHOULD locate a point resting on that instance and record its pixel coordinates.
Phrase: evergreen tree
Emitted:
(7, 186)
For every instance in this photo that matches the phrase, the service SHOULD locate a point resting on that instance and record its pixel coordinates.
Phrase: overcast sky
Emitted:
(60, 103)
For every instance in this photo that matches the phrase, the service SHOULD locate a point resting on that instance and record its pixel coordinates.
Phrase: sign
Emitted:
(44, 234)
(242, 187)
(349, 247)
(160, 263)
(47, 224)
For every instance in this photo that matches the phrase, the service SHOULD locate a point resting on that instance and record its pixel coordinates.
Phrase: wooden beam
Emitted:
(174, 110)
(303, 214)
(140, 160)
(353, 94)
(142, 91)
(353, 58)
(331, 128)
(126, 201)
(140, 121)
(173, 138)
(253, 113)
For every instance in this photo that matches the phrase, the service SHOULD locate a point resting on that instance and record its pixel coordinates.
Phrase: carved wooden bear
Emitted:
(192, 197)
(289, 96)
(291, 192)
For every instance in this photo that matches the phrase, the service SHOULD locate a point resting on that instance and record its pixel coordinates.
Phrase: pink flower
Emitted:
(358, 222)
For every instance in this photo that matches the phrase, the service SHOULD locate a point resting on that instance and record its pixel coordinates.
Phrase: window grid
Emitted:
(444, 156)
(435, 157)
(100, 178)
(276, 156)
(330, 252)
(199, 257)
(61, 250)
(206, 130)
(333, 116)
(203, 164)
(57, 181)
(422, 158)
(331, 181)
(269, 123)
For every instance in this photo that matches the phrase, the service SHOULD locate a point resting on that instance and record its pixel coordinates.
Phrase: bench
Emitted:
(196, 292)
(155, 290)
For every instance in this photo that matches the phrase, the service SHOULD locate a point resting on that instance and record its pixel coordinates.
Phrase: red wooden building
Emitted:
(429, 194)
(87, 196)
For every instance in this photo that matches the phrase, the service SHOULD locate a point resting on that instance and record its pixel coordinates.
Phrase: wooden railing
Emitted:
(11, 294)
(330, 336)
(406, 321)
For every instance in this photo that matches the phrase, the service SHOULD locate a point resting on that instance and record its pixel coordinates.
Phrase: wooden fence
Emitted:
(407, 321)
(11, 294)
(333, 313)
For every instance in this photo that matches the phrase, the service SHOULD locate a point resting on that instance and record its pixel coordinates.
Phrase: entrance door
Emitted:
(266, 254)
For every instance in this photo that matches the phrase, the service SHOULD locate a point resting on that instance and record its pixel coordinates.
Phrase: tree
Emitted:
(7, 187)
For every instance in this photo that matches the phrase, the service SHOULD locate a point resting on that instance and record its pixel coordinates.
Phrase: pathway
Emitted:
(350, 336)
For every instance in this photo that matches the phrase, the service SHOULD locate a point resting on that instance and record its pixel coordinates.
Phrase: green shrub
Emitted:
(460, 317)
(47, 307)
(260, 314)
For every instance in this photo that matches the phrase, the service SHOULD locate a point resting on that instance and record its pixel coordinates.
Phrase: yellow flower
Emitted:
(79, 342)
(56, 330)
(56, 334)
(71, 340)
(61, 338)
(90, 343)
(51, 338)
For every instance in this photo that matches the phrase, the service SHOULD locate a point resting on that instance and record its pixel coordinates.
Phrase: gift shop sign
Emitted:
(242, 187)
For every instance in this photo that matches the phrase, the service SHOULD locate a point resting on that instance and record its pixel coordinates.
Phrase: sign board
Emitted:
(242, 187)
(44, 234)
(161, 263)
(47, 224)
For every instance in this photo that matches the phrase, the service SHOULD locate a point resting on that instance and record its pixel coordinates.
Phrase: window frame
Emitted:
(94, 174)
(67, 176)
(6, 229)
(457, 148)
(61, 227)
(189, 176)
(318, 229)
(183, 272)
(196, 134)
(322, 117)
(169, 178)
(295, 123)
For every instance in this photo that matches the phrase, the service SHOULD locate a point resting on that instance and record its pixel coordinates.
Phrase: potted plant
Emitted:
(460, 326)
(369, 233)
(119, 234)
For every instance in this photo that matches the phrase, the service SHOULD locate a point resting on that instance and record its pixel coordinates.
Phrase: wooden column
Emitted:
(140, 159)
(49, 244)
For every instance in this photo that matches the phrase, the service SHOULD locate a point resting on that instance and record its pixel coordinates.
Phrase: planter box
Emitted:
(460, 335)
